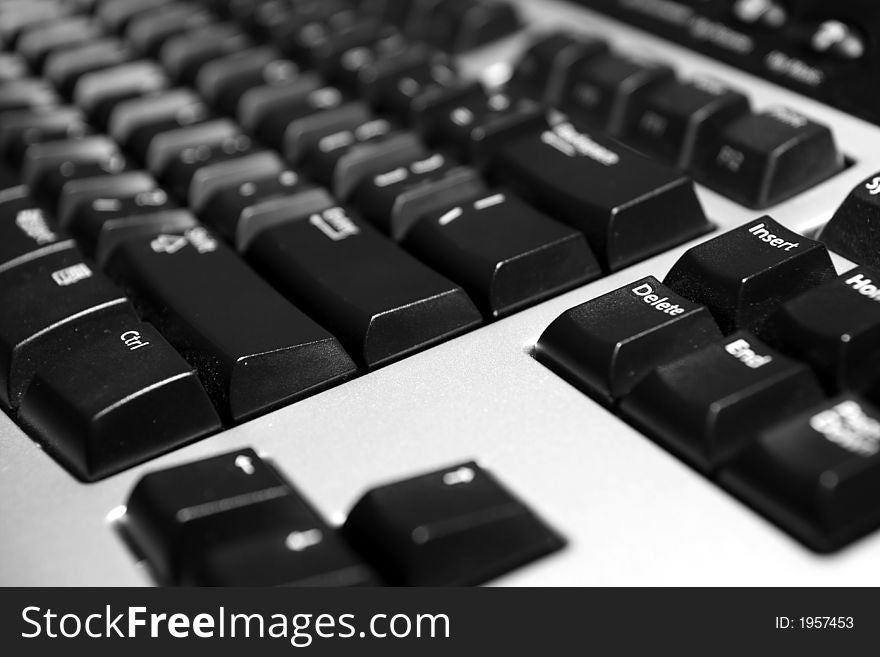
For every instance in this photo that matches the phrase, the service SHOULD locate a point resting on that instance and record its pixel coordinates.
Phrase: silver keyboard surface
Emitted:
(632, 513)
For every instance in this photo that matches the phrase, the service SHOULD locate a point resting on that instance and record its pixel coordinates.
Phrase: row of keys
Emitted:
(233, 520)
(252, 349)
(700, 125)
(729, 363)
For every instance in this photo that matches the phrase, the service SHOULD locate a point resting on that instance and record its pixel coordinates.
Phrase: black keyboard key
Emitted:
(708, 405)
(148, 32)
(232, 520)
(269, 112)
(26, 94)
(224, 81)
(65, 69)
(344, 159)
(381, 302)
(504, 253)
(134, 123)
(22, 129)
(98, 92)
(25, 232)
(633, 207)
(232, 208)
(675, 118)
(325, 56)
(42, 300)
(17, 17)
(117, 14)
(835, 328)
(461, 25)
(393, 84)
(854, 230)
(94, 207)
(305, 133)
(184, 55)
(36, 44)
(454, 527)
(49, 167)
(476, 130)
(605, 346)
(394, 200)
(744, 275)
(264, 167)
(175, 157)
(544, 69)
(817, 474)
(763, 159)
(254, 351)
(350, 63)
(274, 211)
(297, 33)
(115, 400)
(604, 89)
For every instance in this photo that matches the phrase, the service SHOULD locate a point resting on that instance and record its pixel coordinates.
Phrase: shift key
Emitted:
(628, 206)
(254, 351)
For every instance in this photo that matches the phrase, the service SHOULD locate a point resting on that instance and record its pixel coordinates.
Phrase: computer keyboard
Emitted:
(575, 304)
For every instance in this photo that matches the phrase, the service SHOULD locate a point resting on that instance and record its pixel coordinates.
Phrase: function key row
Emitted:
(700, 125)
(753, 361)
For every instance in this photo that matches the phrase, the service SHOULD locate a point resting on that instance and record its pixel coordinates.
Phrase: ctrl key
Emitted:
(232, 520)
(120, 396)
(817, 475)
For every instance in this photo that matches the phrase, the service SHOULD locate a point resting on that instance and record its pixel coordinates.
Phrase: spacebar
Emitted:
(252, 348)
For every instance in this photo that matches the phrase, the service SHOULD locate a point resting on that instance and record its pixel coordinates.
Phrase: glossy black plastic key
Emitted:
(460, 25)
(20, 130)
(396, 198)
(98, 92)
(64, 69)
(184, 55)
(379, 300)
(50, 166)
(454, 527)
(224, 81)
(743, 275)
(674, 119)
(26, 94)
(43, 299)
(232, 520)
(711, 403)
(603, 89)
(134, 123)
(816, 474)
(36, 44)
(118, 397)
(835, 328)
(503, 252)
(544, 68)
(474, 131)
(25, 230)
(628, 206)
(176, 156)
(254, 350)
(762, 159)
(607, 345)
(854, 230)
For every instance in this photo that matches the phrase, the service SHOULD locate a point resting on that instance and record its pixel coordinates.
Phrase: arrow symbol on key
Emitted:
(245, 464)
